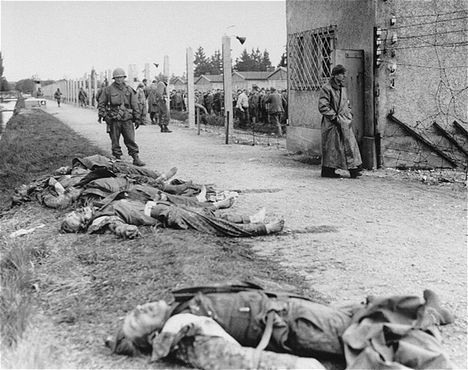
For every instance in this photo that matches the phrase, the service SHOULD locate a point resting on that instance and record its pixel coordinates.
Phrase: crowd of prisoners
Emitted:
(108, 195)
(260, 108)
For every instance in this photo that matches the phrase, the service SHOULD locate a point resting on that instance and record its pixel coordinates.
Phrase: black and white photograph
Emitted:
(248, 184)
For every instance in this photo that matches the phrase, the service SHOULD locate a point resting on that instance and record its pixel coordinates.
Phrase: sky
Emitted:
(66, 39)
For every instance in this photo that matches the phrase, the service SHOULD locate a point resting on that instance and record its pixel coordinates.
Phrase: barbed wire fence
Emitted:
(445, 33)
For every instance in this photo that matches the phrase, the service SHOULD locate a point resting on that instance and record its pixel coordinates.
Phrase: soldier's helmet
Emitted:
(118, 72)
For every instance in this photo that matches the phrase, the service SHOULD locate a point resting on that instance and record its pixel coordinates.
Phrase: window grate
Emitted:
(310, 57)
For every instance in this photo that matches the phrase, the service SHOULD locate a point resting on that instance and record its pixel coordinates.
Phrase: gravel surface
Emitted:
(389, 232)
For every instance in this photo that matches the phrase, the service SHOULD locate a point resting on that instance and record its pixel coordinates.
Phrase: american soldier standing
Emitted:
(118, 106)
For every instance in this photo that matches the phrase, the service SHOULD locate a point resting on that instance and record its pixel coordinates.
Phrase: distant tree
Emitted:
(255, 61)
(25, 86)
(265, 62)
(216, 63)
(202, 64)
(256, 56)
(284, 60)
(1, 64)
(47, 82)
(245, 62)
(161, 77)
(4, 85)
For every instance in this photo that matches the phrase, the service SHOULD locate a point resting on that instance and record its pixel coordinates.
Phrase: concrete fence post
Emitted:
(190, 89)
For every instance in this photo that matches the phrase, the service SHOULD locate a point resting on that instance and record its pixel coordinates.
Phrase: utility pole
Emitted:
(227, 86)
(190, 89)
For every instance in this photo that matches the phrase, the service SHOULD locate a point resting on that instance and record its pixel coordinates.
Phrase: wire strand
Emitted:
(431, 15)
(430, 67)
(426, 23)
(450, 44)
(431, 34)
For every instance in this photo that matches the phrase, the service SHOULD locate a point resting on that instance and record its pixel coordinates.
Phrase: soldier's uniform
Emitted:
(163, 114)
(118, 105)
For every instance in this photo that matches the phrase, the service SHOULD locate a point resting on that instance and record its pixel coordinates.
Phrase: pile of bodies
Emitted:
(116, 196)
(234, 325)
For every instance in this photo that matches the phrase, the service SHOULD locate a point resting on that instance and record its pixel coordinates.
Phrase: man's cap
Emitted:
(338, 69)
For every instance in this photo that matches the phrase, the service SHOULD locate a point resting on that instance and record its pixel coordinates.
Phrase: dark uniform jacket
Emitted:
(119, 103)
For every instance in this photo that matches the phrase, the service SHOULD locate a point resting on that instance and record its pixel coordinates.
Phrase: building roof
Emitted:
(211, 78)
(253, 75)
(175, 80)
(279, 69)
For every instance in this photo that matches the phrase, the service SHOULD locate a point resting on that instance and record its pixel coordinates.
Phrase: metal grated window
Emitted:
(309, 59)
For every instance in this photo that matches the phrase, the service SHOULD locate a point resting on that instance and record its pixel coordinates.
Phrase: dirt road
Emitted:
(348, 238)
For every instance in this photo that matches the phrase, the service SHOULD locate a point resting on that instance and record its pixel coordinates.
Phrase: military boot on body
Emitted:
(137, 161)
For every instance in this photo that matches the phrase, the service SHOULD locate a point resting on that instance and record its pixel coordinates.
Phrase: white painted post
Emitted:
(109, 77)
(147, 72)
(227, 85)
(95, 84)
(190, 89)
(90, 89)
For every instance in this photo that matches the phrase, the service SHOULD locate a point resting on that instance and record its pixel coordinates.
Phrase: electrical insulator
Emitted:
(394, 38)
(377, 46)
(392, 20)
(392, 67)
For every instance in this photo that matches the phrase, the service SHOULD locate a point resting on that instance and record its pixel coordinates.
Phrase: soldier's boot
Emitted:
(165, 129)
(137, 161)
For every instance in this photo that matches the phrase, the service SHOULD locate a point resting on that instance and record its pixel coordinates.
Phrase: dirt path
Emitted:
(347, 238)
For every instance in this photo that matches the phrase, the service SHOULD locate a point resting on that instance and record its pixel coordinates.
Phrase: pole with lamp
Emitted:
(227, 82)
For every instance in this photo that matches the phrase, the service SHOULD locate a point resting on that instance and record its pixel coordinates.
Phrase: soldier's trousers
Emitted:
(127, 130)
(163, 114)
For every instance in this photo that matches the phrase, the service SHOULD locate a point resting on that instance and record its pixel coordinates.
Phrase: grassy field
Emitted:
(61, 294)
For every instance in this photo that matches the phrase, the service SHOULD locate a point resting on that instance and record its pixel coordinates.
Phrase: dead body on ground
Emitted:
(118, 197)
(245, 326)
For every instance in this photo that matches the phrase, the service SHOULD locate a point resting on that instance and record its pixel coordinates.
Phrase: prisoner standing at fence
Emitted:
(118, 106)
(242, 106)
(275, 104)
(339, 145)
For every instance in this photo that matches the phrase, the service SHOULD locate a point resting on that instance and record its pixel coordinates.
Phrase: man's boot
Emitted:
(165, 129)
(329, 172)
(354, 173)
(137, 161)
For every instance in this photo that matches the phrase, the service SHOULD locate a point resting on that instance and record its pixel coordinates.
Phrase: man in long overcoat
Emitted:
(339, 145)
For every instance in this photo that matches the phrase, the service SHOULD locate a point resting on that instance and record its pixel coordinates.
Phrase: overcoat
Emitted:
(339, 145)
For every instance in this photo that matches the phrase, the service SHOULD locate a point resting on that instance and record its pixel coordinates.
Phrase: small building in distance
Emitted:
(205, 83)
